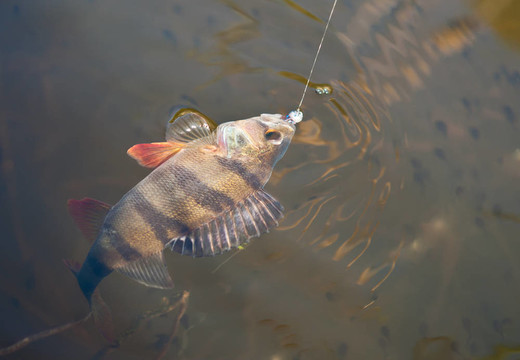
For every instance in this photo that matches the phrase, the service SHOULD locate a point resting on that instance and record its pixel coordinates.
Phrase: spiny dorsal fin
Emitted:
(154, 154)
(88, 214)
(187, 125)
(251, 217)
(150, 271)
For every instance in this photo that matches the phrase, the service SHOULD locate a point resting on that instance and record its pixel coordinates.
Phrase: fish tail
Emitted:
(90, 275)
(88, 279)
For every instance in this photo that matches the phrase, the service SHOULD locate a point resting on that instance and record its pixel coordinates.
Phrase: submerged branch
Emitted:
(42, 335)
(141, 320)
(183, 302)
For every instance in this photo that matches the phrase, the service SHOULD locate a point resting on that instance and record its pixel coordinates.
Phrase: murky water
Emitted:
(401, 188)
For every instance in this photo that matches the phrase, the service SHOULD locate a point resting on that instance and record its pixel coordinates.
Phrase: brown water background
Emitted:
(401, 188)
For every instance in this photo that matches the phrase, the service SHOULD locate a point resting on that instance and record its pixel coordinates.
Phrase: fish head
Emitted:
(265, 137)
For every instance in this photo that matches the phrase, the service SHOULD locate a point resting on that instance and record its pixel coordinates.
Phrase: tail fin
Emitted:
(100, 310)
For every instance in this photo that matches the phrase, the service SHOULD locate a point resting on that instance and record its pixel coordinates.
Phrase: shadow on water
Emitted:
(400, 185)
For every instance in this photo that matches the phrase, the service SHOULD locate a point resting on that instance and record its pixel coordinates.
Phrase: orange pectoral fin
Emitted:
(154, 154)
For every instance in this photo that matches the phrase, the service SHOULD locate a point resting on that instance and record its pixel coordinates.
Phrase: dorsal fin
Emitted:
(187, 125)
(154, 154)
(250, 217)
(88, 214)
(150, 271)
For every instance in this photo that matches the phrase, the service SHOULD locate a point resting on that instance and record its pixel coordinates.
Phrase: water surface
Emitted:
(401, 187)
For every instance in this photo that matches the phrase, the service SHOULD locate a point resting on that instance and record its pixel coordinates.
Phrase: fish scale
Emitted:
(205, 196)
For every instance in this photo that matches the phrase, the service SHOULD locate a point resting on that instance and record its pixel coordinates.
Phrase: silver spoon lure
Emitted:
(296, 116)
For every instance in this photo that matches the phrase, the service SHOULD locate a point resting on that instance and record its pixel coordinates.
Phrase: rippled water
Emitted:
(401, 187)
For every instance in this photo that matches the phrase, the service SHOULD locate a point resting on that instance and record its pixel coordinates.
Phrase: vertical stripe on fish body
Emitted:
(205, 196)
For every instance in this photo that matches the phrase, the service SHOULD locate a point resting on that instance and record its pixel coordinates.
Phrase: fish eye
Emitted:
(273, 135)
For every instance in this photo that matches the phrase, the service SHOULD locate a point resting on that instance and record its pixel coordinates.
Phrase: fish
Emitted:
(204, 196)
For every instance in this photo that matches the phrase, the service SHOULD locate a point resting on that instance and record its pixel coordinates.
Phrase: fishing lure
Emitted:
(205, 196)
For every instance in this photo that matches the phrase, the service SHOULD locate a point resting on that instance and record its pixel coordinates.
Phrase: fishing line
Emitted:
(296, 116)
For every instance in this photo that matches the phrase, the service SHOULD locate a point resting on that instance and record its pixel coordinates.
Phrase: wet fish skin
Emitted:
(193, 186)
(208, 194)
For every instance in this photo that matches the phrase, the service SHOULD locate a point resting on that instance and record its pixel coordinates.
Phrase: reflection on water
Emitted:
(502, 16)
(400, 185)
(348, 218)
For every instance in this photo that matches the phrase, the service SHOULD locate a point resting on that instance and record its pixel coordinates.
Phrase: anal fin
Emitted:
(150, 271)
(251, 217)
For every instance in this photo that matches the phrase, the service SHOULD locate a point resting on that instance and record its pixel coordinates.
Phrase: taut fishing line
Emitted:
(296, 116)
